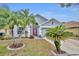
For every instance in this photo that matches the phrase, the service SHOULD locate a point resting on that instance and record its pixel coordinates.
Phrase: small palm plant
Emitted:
(57, 34)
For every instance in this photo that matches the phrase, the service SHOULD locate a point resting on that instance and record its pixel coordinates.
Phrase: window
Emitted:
(19, 32)
(20, 29)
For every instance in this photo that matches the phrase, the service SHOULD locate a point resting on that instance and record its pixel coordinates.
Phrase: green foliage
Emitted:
(4, 14)
(10, 18)
(5, 37)
(1, 37)
(3, 50)
(58, 33)
(27, 19)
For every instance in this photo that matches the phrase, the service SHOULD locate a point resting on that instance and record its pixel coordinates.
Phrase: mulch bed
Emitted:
(16, 45)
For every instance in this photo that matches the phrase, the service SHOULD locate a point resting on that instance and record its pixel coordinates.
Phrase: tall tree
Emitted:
(4, 14)
(27, 18)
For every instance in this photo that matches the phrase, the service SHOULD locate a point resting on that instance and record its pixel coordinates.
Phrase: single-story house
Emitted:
(39, 30)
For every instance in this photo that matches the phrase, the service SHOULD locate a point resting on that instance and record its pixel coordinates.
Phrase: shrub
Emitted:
(1, 37)
(5, 37)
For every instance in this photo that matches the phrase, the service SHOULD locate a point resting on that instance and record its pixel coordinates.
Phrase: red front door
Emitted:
(34, 31)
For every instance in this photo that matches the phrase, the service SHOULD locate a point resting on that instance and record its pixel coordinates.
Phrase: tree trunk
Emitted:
(6, 31)
(57, 45)
(12, 32)
(13, 36)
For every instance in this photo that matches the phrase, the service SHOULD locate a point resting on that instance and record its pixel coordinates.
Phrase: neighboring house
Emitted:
(73, 27)
(39, 30)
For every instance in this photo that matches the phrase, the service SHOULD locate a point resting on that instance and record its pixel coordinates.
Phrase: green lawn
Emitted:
(32, 48)
(3, 49)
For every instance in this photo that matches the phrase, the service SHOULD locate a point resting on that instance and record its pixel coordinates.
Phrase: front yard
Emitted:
(32, 48)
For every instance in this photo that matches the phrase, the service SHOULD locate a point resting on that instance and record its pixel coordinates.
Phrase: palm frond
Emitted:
(58, 33)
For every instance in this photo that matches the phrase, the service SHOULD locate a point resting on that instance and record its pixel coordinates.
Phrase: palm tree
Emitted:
(3, 17)
(27, 19)
(12, 21)
(57, 34)
(11, 18)
(2, 25)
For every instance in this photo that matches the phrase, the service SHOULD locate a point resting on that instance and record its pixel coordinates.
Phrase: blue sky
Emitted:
(49, 11)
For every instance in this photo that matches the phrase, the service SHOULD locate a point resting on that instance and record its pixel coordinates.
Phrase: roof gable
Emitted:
(51, 22)
(40, 19)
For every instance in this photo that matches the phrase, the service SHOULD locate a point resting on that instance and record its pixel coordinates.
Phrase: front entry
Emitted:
(34, 31)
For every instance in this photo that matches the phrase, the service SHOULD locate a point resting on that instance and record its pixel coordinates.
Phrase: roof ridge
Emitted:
(41, 16)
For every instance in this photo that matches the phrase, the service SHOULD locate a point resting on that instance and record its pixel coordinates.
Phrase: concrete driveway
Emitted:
(71, 46)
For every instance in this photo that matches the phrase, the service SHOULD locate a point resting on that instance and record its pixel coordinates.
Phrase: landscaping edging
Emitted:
(15, 48)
